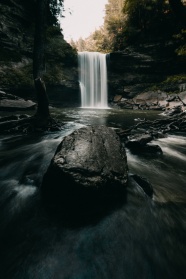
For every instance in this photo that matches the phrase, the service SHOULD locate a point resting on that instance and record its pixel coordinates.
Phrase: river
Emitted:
(145, 238)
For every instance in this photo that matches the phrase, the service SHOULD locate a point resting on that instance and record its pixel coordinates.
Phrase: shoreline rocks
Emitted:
(152, 100)
(11, 102)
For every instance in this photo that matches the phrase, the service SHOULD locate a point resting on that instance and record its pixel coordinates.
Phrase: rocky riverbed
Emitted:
(152, 100)
(129, 232)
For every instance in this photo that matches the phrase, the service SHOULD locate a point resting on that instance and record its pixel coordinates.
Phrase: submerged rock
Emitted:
(88, 172)
(140, 144)
(143, 183)
(141, 139)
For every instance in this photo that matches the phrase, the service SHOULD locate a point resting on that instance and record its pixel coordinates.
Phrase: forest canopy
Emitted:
(129, 22)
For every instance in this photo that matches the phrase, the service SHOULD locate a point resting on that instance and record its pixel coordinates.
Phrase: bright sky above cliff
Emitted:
(82, 17)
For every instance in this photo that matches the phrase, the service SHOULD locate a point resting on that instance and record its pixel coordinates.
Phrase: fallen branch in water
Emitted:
(138, 137)
(27, 124)
(174, 123)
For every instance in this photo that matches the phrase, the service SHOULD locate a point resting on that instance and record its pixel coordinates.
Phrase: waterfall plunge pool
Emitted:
(144, 238)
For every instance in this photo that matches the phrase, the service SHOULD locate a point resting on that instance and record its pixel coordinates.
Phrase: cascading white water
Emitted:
(93, 79)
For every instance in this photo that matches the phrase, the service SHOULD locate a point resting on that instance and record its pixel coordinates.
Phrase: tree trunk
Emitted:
(42, 99)
(180, 10)
(39, 57)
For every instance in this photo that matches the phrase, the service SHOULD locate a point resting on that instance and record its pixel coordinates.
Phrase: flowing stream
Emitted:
(93, 79)
(145, 238)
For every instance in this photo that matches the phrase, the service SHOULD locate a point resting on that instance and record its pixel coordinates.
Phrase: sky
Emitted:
(82, 17)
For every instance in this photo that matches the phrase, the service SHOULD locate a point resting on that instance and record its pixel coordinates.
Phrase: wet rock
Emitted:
(19, 104)
(150, 149)
(139, 144)
(4, 95)
(117, 98)
(87, 174)
(9, 118)
(140, 139)
(182, 97)
(163, 104)
(12, 102)
(143, 183)
(174, 110)
(171, 98)
(153, 100)
(174, 104)
(151, 97)
(153, 149)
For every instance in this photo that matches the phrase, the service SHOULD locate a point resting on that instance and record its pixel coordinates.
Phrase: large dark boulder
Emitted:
(88, 173)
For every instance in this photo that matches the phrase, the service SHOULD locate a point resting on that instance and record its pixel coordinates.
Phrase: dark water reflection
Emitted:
(108, 117)
(143, 239)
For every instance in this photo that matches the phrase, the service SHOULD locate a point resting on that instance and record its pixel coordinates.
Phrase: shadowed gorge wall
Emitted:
(16, 42)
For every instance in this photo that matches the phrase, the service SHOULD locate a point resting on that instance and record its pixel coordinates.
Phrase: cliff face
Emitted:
(16, 43)
(130, 72)
(150, 67)
(16, 28)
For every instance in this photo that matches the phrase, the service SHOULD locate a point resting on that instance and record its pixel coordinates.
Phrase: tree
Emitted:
(107, 37)
(180, 10)
(41, 119)
(152, 19)
(39, 58)
(43, 8)
(73, 44)
(80, 44)
(114, 22)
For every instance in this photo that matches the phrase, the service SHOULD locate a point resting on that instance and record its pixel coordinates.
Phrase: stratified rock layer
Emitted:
(145, 68)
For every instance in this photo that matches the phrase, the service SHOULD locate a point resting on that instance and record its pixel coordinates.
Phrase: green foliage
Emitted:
(148, 19)
(180, 38)
(170, 84)
(10, 55)
(56, 7)
(97, 41)
(58, 50)
(114, 23)
(55, 10)
(16, 68)
(109, 36)
(81, 44)
(100, 40)
(53, 75)
(17, 76)
(59, 55)
(176, 79)
(181, 50)
(129, 22)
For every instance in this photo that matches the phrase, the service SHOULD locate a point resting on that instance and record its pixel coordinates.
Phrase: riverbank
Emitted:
(171, 107)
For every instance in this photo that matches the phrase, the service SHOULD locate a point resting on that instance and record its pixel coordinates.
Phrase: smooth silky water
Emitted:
(143, 239)
(93, 79)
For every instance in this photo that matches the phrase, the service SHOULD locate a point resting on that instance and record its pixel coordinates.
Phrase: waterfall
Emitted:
(93, 79)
